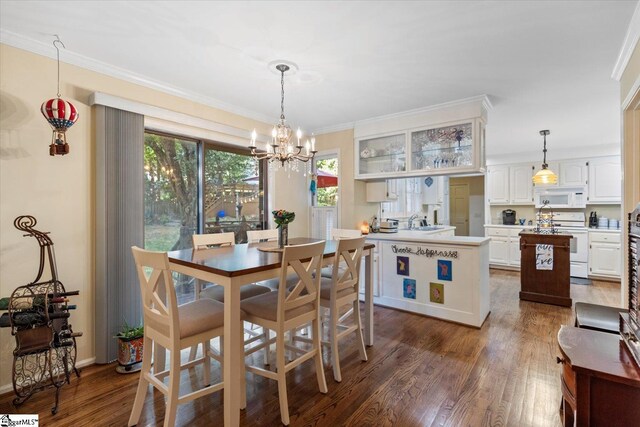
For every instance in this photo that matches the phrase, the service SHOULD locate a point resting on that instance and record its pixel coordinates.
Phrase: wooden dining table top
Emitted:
(243, 258)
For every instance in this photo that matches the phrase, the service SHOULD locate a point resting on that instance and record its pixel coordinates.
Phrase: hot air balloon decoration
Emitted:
(60, 114)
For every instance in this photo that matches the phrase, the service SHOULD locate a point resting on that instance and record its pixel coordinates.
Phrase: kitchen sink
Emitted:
(423, 228)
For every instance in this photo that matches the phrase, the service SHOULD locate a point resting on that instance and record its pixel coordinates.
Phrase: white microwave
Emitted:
(561, 197)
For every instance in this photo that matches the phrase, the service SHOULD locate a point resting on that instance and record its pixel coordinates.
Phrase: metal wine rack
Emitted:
(38, 314)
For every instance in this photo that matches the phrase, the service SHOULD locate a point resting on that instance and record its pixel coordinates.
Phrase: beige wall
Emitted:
(353, 206)
(59, 191)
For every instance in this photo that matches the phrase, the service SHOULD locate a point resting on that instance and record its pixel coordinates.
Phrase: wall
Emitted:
(59, 191)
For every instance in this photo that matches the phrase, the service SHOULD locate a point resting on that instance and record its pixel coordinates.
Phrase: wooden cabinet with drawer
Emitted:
(605, 257)
(600, 381)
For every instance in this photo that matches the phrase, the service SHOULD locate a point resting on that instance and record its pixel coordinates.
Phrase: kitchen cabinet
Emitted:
(435, 190)
(521, 184)
(381, 156)
(504, 248)
(605, 180)
(381, 191)
(605, 258)
(498, 184)
(510, 184)
(499, 250)
(572, 172)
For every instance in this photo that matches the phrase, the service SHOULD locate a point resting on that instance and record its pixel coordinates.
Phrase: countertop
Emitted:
(605, 230)
(429, 237)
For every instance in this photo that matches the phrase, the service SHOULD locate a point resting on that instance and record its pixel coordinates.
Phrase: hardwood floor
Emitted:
(421, 372)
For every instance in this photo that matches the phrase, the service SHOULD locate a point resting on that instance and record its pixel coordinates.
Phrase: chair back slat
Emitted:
(255, 236)
(344, 233)
(203, 241)
(305, 261)
(159, 300)
(348, 254)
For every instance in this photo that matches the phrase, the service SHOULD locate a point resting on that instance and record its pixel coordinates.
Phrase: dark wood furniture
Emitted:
(546, 286)
(630, 323)
(600, 380)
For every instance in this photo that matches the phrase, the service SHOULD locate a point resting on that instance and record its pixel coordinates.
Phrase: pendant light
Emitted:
(545, 175)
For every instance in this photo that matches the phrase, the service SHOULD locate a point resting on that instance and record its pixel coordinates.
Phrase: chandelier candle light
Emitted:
(282, 148)
(545, 175)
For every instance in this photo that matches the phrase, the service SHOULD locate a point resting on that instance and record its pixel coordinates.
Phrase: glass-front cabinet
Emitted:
(384, 155)
(442, 147)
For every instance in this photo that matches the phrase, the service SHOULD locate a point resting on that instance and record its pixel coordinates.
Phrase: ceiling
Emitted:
(544, 65)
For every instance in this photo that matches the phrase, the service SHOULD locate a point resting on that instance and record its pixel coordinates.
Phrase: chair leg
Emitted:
(143, 384)
(171, 407)
(207, 363)
(333, 338)
(317, 346)
(360, 336)
(243, 386)
(282, 378)
(267, 349)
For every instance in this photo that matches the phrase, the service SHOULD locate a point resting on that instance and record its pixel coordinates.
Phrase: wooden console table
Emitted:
(541, 285)
(600, 380)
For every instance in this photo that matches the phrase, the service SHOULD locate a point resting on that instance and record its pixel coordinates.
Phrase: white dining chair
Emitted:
(287, 310)
(337, 234)
(172, 327)
(256, 236)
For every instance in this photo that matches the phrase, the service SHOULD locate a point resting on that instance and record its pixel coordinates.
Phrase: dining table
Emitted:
(241, 264)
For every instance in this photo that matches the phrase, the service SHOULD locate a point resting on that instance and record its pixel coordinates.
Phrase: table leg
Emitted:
(233, 356)
(368, 298)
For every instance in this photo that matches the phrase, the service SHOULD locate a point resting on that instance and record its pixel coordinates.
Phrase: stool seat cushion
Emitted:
(200, 316)
(266, 307)
(328, 271)
(325, 289)
(598, 317)
(216, 292)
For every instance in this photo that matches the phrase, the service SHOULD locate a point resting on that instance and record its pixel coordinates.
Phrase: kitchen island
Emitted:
(433, 273)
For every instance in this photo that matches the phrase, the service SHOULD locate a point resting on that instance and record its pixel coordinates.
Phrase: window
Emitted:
(409, 199)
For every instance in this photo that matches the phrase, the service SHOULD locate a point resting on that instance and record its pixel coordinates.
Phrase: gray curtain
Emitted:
(119, 224)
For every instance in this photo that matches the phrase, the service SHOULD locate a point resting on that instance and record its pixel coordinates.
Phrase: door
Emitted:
(324, 203)
(459, 208)
(499, 250)
(514, 251)
(521, 184)
(498, 184)
(605, 259)
(573, 173)
(605, 180)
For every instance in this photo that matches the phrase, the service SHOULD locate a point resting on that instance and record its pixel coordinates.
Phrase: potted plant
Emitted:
(130, 347)
(282, 218)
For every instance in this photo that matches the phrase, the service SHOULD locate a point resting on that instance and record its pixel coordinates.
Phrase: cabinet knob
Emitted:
(559, 360)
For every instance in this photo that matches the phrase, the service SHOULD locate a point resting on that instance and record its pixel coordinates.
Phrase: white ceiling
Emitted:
(544, 65)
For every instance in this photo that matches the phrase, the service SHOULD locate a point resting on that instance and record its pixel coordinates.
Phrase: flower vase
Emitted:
(283, 236)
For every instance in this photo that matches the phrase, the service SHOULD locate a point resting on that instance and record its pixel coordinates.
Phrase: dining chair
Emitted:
(255, 236)
(338, 234)
(173, 327)
(289, 309)
(341, 291)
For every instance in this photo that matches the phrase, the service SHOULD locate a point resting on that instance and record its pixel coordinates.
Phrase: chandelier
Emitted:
(282, 148)
(545, 175)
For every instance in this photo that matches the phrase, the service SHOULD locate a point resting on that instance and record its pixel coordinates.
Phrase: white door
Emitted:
(499, 250)
(521, 184)
(459, 208)
(324, 204)
(605, 180)
(573, 173)
(514, 251)
(604, 259)
(498, 184)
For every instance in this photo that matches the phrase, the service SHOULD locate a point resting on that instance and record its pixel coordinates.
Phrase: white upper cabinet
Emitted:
(498, 184)
(434, 190)
(381, 191)
(605, 180)
(573, 172)
(521, 184)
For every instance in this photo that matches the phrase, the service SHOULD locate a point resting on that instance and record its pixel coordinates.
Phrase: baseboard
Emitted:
(8, 388)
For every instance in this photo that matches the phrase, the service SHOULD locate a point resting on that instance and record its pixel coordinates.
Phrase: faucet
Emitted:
(410, 221)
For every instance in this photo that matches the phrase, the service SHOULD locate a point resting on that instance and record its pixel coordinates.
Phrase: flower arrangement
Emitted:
(282, 217)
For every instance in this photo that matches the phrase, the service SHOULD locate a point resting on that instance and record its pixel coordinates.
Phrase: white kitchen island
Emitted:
(433, 273)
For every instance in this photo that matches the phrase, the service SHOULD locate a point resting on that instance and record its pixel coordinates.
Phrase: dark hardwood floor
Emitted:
(421, 372)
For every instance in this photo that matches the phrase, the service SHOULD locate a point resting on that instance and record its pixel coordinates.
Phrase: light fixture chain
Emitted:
(282, 95)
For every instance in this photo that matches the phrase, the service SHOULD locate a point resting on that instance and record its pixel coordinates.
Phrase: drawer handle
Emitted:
(630, 336)
(559, 360)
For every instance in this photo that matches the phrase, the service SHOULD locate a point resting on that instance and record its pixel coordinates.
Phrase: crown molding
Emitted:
(628, 46)
(486, 104)
(632, 94)
(69, 57)
(334, 128)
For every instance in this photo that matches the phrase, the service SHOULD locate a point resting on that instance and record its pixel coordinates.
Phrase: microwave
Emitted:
(561, 197)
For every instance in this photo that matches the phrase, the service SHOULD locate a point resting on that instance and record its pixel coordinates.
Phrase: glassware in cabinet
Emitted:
(382, 155)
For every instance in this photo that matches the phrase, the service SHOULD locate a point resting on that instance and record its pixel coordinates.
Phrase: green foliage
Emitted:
(129, 332)
(282, 217)
(327, 196)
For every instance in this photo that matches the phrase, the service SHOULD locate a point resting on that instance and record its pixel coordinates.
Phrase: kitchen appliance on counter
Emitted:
(509, 217)
(574, 224)
(389, 226)
(593, 220)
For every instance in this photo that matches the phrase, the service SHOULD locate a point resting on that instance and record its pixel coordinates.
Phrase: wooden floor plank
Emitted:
(420, 372)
